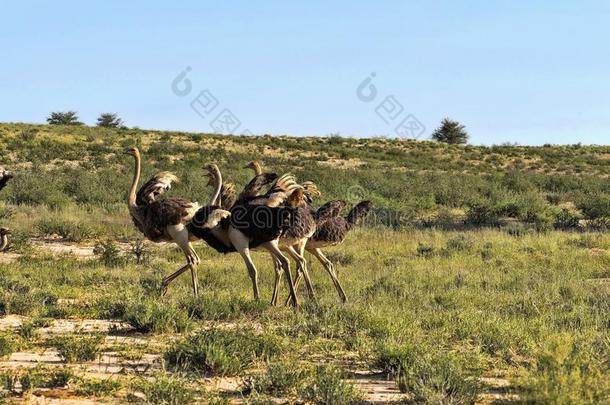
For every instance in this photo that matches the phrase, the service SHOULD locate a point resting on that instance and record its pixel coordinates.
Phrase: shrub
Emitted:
(430, 377)
(37, 377)
(283, 378)
(566, 372)
(73, 231)
(328, 386)
(63, 118)
(78, 348)
(567, 218)
(425, 250)
(109, 120)
(9, 343)
(165, 389)
(109, 254)
(451, 132)
(221, 352)
(150, 315)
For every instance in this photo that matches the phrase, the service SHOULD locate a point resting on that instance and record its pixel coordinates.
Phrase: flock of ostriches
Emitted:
(271, 213)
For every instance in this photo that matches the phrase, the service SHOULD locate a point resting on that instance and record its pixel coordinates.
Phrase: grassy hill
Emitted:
(502, 314)
(80, 170)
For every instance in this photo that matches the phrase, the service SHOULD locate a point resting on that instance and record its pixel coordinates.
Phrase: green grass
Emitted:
(479, 261)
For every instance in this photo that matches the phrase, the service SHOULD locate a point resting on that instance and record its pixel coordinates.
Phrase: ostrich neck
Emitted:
(257, 169)
(3, 242)
(131, 198)
(218, 186)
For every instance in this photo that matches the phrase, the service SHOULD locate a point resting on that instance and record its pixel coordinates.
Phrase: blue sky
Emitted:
(511, 71)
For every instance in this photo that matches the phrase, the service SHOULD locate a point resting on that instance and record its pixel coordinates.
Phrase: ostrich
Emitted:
(256, 221)
(5, 176)
(331, 230)
(294, 238)
(4, 232)
(165, 220)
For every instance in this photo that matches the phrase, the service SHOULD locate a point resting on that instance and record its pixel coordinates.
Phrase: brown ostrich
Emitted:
(331, 230)
(165, 220)
(4, 233)
(293, 239)
(257, 221)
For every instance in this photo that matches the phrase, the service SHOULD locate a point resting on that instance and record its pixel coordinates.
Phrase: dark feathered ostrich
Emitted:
(256, 221)
(165, 220)
(331, 230)
(293, 239)
(4, 233)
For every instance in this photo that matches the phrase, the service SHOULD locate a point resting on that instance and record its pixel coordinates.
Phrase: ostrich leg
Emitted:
(328, 265)
(277, 268)
(181, 237)
(302, 268)
(274, 249)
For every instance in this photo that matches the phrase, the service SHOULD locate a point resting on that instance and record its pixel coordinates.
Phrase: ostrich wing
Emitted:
(157, 185)
(281, 190)
(331, 209)
(227, 196)
(253, 188)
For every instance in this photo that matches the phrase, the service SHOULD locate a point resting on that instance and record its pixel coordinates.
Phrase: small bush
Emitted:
(280, 379)
(70, 230)
(566, 372)
(221, 352)
(78, 348)
(328, 386)
(9, 343)
(430, 377)
(165, 389)
(425, 250)
(150, 315)
(37, 377)
(109, 254)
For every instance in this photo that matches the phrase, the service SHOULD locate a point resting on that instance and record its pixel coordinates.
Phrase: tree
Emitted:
(450, 132)
(109, 120)
(63, 118)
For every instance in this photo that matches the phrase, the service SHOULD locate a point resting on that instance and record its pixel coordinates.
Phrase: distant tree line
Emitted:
(105, 120)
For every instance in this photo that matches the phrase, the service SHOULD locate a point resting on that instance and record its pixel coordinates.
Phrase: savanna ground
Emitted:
(483, 276)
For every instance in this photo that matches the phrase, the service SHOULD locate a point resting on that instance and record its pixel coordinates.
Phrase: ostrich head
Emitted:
(255, 165)
(211, 173)
(133, 151)
(5, 231)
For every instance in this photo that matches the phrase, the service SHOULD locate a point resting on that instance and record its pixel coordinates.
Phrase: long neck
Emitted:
(257, 168)
(218, 186)
(3, 242)
(131, 198)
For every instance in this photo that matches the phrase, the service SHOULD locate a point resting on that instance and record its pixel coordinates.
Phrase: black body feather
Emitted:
(333, 230)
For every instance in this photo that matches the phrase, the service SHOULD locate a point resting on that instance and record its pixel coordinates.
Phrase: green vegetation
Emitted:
(78, 348)
(63, 118)
(109, 120)
(221, 352)
(451, 132)
(480, 264)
